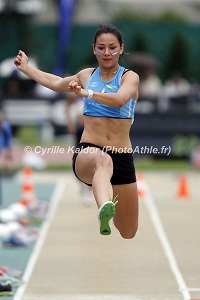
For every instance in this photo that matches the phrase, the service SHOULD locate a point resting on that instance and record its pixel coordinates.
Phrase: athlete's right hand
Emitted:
(21, 61)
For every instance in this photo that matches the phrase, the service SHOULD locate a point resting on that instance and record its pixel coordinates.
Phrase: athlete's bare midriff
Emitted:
(103, 132)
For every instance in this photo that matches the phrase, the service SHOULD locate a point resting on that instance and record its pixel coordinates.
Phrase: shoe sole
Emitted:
(105, 215)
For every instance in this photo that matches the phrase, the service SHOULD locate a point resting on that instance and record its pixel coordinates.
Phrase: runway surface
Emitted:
(72, 261)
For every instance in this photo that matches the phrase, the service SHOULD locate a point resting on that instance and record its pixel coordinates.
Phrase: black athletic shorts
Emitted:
(123, 164)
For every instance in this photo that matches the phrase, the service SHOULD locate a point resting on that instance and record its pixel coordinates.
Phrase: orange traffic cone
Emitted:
(183, 191)
(140, 185)
(28, 191)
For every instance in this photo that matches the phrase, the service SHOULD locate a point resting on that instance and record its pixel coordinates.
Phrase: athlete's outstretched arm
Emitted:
(48, 80)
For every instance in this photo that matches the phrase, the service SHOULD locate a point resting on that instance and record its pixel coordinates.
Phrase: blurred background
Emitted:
(37, 127)
(163, 44)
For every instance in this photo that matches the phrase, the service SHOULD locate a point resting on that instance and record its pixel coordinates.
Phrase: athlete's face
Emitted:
(107, 49)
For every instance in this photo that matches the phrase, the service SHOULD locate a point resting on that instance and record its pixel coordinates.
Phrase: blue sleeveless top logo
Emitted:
(97, 109)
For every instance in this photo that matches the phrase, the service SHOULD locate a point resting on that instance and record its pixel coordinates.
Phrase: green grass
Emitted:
(147, 165)
(163, 164)
(140, 164)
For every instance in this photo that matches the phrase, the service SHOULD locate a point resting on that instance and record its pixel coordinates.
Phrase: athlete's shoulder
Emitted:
(84, 75)
(86, 72)
(130, 74)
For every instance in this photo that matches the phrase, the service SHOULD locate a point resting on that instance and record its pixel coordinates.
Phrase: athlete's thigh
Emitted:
(127, 207)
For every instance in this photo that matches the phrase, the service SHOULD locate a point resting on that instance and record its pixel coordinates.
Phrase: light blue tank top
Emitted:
(97, 109)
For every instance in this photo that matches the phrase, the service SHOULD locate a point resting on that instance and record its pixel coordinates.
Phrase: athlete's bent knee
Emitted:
(104, 160)
(129, 233)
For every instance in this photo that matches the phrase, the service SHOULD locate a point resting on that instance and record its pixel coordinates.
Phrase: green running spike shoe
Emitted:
(106, 213)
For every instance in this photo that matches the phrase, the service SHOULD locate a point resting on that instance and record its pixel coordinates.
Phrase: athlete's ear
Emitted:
(121, 49)
(93, 49)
